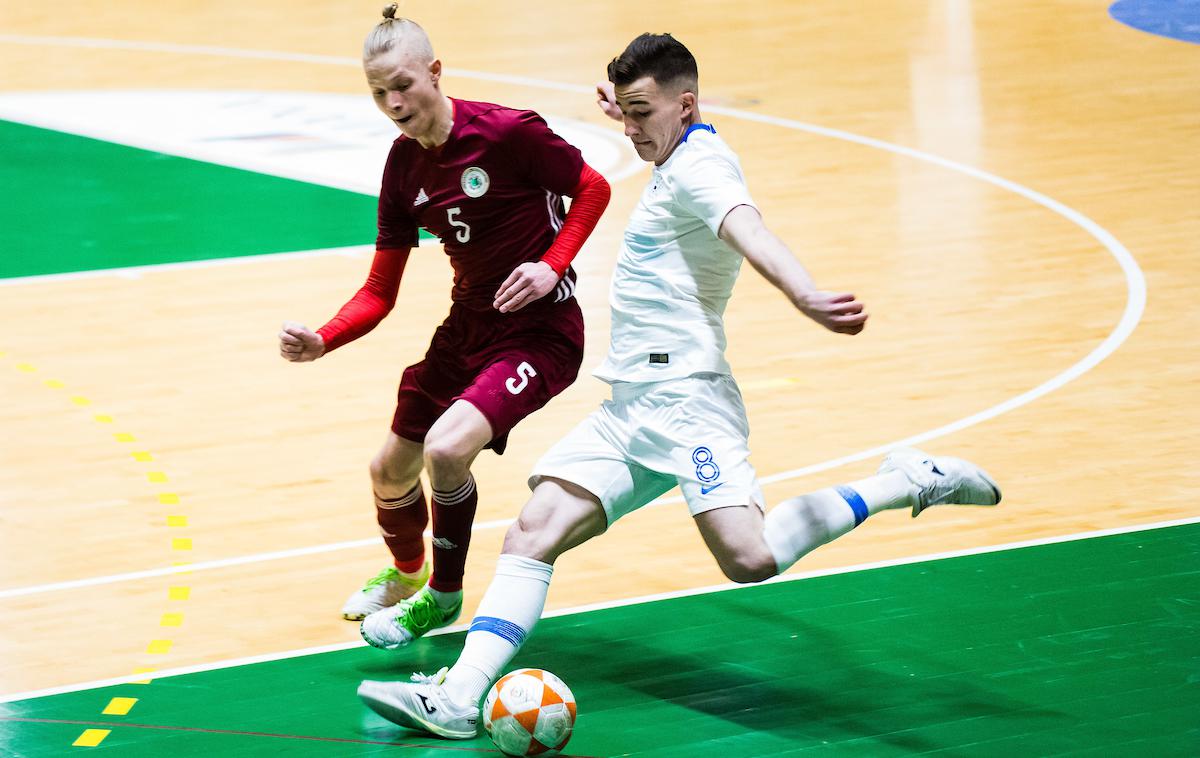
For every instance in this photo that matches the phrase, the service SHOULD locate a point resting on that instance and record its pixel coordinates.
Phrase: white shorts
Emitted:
(651, 436)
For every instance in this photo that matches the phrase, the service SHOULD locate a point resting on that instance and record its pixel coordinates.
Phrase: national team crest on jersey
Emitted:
(475, 182)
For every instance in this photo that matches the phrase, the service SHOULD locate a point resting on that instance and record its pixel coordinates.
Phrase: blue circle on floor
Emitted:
(1177, 19)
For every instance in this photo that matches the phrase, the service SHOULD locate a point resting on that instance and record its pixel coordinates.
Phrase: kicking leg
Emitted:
(751, 548)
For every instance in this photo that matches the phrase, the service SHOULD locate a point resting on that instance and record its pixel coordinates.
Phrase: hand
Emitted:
(299, 344)
(527, 282)
(836, 311)
(606, 98)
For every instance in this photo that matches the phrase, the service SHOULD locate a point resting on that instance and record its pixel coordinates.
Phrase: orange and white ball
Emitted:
(529, 712)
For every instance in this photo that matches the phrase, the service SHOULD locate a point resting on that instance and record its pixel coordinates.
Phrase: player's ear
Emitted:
(435, 70)
(687, 103)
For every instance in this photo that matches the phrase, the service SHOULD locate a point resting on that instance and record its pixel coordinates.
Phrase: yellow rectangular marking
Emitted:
(142, 455)
(181, 543)
(27, 368)
(54, 384)
(144, 670)
(168, 498)
(80, 400)
(91, 737)
(119, 706)
(103, 418)
(171, 619)
(156, 476)
(159, 647)
(176, 520)
(124, 437)
(179, 593)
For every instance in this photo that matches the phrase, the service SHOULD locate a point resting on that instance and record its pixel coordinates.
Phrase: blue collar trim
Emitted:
(697, 128)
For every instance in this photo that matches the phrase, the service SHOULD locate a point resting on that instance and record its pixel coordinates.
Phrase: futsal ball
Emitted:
(529, 712)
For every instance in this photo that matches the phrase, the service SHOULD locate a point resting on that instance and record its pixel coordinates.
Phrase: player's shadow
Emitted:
(800, 682)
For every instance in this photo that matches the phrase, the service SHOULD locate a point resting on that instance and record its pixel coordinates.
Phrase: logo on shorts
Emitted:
(707, 470)
(475, 182)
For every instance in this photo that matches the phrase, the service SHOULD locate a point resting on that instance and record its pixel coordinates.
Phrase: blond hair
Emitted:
(397, 32)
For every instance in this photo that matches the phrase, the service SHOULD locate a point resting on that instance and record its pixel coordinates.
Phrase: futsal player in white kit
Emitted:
(676, 415)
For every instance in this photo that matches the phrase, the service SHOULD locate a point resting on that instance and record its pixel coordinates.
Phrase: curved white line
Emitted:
(1135, 281)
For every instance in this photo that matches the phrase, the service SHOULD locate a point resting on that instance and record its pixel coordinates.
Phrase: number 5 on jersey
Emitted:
(516, 384)
(464, 230)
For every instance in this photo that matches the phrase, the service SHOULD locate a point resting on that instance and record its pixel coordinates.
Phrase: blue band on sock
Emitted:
(856, 503)
(506, 630)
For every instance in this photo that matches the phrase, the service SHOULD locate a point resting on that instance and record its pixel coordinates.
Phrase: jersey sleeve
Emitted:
(547, 159)
(709, 188)
(397, 226)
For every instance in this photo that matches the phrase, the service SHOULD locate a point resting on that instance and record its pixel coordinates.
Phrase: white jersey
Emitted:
(674, 275)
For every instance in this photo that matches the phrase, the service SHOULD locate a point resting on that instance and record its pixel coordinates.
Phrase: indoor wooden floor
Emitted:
(1007, 185)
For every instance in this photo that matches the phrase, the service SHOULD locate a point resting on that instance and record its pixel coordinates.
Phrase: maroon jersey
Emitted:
(492, 193)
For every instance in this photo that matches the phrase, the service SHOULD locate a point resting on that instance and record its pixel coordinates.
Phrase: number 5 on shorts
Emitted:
(519, 382)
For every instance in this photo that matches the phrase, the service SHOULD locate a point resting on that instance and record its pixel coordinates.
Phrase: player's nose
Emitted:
(394, 101)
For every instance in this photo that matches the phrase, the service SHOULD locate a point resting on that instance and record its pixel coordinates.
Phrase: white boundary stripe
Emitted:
(1135, 281)
(218, 564)
(136, 272)
(283, 655)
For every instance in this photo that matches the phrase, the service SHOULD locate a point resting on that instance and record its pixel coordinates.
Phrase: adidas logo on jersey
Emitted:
(421, 197)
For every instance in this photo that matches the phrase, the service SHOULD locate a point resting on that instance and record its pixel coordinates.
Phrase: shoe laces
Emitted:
(388, 574)
(434, 679)
(421, 608)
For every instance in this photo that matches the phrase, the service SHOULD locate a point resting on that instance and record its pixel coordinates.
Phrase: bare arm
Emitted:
(743, 230)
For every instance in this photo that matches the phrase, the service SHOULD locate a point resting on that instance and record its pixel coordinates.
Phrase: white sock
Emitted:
(797, 526)
(507, 614)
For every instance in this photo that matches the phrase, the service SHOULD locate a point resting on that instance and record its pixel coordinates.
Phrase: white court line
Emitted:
(230, 663)
(1135, 280)
(219, 564)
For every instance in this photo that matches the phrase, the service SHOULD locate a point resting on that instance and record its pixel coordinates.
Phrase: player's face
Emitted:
(655, 118)
(405, 89)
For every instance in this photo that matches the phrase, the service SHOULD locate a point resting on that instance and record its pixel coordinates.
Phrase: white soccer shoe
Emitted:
(422, 705)
(942, 479)
(383, 590)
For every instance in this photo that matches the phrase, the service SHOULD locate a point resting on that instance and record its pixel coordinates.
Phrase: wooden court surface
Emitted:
(981, 291)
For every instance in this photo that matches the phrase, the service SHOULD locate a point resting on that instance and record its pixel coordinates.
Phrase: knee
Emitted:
(748, 569)
(388, 473)
(443, 454)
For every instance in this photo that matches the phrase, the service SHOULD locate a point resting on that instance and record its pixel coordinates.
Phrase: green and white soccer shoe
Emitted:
(383, 590)
(395, 627)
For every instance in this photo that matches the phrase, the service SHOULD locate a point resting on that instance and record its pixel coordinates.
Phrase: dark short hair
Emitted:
(659, 56)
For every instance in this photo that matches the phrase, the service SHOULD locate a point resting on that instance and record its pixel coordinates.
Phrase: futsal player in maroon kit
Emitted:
(489, 182)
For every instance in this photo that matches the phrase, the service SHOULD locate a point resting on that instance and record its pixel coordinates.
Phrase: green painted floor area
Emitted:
(1089, 647)
(78, 204)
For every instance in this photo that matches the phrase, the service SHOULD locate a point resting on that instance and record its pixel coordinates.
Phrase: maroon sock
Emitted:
(402, 522)
(453, 514)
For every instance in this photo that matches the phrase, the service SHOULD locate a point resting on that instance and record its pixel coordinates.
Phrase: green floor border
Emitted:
(1087, 647)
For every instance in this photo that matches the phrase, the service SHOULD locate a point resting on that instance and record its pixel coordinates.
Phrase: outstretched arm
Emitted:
(362, 313)
(743, 230)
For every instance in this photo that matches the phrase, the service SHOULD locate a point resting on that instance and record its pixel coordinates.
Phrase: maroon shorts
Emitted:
(505, 364)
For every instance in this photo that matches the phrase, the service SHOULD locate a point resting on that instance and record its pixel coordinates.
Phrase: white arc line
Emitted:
(1135, 281)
